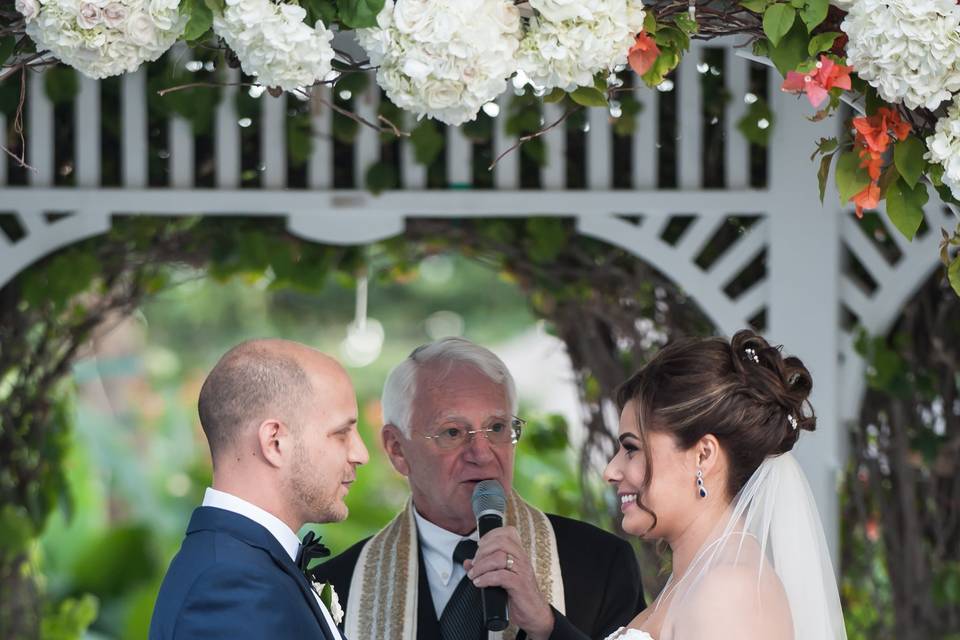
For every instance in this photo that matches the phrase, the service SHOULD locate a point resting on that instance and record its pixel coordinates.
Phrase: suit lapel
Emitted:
(253, 534)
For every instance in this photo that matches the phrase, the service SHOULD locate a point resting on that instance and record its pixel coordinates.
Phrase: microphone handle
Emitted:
(494, 599)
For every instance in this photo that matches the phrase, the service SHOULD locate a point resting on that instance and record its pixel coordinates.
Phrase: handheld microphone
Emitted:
(489, 504)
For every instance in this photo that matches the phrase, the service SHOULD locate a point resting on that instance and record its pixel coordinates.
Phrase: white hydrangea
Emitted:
(944, 147)
(274, 44)
(444, 59)
(570, 41)
(908, 49)
(102, 38)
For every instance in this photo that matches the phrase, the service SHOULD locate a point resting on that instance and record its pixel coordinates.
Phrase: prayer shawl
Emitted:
(383, 589)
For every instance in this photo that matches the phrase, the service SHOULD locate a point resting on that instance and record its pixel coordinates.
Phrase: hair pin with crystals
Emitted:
(752, 354)
(792, 419)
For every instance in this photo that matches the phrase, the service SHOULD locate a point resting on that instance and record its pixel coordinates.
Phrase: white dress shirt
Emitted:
(277, 527)
(443, 574)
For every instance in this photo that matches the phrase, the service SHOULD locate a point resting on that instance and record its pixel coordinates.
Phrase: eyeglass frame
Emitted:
(516, 427)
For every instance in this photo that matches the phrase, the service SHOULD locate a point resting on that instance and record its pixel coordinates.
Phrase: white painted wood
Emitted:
(181, 162)
(599, 149)
(134, 141)
(273, 141)
(868, 255)
(3, 156)
(804, 263)
(320, 168)
(644, 149)
(226, 134)
(39, 125)
(413, 175)
(554, 175)
(506, 174)
(459, 158)
(736, 147)
(366, 149)
(739, 255)
(690, 126)
(696, 236)
(87, 133)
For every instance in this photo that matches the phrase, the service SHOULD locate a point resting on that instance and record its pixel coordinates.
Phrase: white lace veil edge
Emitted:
(773, 523)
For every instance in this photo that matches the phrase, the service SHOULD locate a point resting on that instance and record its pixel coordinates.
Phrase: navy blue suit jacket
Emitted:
(233, 579)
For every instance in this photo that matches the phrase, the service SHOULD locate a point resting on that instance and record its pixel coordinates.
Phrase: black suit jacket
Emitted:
(601, 583)
(232, 579)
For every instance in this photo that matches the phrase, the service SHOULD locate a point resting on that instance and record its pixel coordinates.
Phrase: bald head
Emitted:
(256, 381)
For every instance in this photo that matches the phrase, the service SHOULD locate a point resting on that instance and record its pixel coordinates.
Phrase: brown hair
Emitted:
(743, 391)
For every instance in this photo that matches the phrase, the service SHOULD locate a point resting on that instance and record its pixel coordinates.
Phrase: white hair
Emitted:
(400, 389)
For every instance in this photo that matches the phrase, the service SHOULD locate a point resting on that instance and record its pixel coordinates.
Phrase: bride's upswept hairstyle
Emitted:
(744, 392)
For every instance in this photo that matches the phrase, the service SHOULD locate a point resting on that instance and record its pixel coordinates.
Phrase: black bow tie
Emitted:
(311, 549)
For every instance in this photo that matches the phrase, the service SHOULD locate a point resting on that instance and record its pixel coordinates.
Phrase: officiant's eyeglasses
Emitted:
(455, 435)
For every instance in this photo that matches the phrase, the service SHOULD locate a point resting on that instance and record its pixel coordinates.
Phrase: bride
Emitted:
(704, 464)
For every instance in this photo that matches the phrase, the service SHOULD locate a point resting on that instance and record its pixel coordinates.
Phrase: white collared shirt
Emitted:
(277, 527)
(443, 574)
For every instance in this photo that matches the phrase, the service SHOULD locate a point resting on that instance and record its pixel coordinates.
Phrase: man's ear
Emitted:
(273, 437)
(393, 442)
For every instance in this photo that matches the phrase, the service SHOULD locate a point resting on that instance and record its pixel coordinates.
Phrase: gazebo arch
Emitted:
(804, 292)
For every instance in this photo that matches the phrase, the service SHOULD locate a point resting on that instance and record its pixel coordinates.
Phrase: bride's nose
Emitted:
(612, 473)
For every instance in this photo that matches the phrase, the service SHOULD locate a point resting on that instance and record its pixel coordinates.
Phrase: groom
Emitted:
(280, 419)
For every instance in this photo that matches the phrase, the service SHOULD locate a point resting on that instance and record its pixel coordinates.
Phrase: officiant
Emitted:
(450, 422)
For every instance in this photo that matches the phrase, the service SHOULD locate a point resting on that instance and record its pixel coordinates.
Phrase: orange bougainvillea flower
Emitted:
(874, 134)
(869, 198)
(643, 53)
(818, 83)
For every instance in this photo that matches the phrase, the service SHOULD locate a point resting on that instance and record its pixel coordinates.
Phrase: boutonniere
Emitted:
(328, 596)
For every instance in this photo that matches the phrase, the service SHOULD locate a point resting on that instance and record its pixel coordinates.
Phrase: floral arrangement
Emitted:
(444, 58)
(896, 61)
(568, 43)
(274, 44)
(102, 38)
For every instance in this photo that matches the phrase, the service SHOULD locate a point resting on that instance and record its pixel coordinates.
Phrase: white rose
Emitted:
(141, 30)
(441, 95)
(27, 8)
(88, 15)
(412, 16)
(559, 10)
(114, 14)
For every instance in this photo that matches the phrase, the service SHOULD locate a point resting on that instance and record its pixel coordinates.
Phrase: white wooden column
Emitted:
(804, 267)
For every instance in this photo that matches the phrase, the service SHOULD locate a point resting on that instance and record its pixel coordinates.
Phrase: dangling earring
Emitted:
(700, 488)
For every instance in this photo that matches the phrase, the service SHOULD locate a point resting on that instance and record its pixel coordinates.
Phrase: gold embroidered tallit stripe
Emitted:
(385, 582)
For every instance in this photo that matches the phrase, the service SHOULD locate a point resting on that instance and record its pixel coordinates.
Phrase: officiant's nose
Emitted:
(358, 454)
(479, 450)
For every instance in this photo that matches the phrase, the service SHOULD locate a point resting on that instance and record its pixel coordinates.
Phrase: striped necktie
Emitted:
(462, 618)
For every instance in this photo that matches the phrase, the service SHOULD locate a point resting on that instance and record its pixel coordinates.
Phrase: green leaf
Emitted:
(850, 178)
(822, 42)
(905, 206)
(814, 12)
(556, 95)
(777, 21)
(215, 6)
(758, 6)
(953, 275)
(323, 10)
(672, 37)
(380, 177)
(792, 50)
(686, 23)
(7, 45)
(908, 156)
(201, 18)
(359, 14)
(650, 22)
(589, 97)
(427, 142)
(546, 238)
(750, 124)
(824, 174)
(61, 84)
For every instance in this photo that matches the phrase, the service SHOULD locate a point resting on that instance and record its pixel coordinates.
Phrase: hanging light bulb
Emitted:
(364, 340)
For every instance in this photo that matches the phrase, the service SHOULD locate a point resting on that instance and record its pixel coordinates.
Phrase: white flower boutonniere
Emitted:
(328, 596)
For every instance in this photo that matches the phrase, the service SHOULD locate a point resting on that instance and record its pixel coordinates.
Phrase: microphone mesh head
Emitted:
(488, 496)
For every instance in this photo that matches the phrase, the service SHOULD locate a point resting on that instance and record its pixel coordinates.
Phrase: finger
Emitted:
(500, 578)
(467, 565)
(487, 564)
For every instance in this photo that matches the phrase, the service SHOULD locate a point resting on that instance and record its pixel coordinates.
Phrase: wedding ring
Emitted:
(509, 566)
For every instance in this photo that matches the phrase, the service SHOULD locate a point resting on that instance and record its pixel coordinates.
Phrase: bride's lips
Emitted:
(627, 501)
